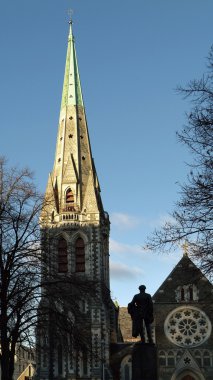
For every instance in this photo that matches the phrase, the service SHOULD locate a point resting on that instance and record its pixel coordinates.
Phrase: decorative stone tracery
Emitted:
(187, 326)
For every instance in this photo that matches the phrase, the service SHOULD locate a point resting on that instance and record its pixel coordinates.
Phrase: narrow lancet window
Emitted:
(69, 196)
(60, 360)
(162, 358)
(85, 364)
(190, 293)
(79, 255)
(206, 359)
(62, 256)
(170, 359)
(126, 372)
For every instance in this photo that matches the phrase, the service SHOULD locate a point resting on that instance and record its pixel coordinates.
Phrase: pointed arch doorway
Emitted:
(188, 374)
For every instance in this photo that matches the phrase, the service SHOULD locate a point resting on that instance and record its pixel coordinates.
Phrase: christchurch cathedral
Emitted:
(75, 247)
(75, 236)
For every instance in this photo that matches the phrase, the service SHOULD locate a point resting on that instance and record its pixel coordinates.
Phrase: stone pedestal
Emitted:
(144, 362)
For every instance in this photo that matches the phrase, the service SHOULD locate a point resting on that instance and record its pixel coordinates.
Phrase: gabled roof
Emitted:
(184, 273)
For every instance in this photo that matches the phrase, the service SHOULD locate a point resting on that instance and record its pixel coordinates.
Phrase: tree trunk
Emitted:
(5, 345)
(12, 358)
(5, 362)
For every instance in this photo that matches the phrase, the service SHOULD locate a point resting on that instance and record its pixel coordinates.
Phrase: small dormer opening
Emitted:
(69, 196)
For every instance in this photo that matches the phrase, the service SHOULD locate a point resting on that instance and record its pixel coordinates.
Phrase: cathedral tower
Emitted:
(75, 238)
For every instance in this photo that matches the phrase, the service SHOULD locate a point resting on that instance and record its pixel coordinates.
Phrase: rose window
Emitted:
(187, 327)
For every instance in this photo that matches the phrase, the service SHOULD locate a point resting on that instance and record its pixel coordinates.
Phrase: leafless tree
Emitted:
(192, 218)
(23, 273)
(20, 204)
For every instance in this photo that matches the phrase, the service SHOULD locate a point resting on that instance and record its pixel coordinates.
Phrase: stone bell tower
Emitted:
(75, 234)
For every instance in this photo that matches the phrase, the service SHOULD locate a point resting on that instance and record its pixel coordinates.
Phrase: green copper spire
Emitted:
(72, 94)
(74, 171)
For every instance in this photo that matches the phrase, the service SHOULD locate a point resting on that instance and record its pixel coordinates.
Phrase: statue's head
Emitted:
(142, 288)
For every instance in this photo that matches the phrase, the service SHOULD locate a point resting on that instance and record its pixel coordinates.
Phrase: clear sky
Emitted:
(132, 54)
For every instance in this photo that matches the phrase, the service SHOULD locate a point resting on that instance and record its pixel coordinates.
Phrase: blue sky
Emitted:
(131, 55)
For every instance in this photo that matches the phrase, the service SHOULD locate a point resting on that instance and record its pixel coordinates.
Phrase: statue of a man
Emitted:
(141, 309)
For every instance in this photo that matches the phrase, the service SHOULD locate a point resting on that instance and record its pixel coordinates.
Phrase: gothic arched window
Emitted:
(186, 293)
(126, 368)
(197, 355)
(69, 196)
(178, 356)
(62, 256)
(170, 359)
(126, 372)
(162, 358)
(206, 359)
(79, 255)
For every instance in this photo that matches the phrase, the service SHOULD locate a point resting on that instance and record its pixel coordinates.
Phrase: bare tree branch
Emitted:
(24, 272)
(192, 218)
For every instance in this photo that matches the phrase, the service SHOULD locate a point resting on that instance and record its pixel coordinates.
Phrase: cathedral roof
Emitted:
(184, 273)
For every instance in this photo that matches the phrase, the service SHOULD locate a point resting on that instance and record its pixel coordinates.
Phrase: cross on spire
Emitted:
(185, 247)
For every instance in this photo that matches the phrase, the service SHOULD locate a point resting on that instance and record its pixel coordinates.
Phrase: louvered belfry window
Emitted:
(62, 256)
(69, 196)
(79, 255)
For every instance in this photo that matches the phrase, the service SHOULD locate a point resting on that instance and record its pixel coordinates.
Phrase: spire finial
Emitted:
(70, 13)
(185, 247)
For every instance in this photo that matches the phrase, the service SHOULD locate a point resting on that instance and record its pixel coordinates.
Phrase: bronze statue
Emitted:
(141, 309)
